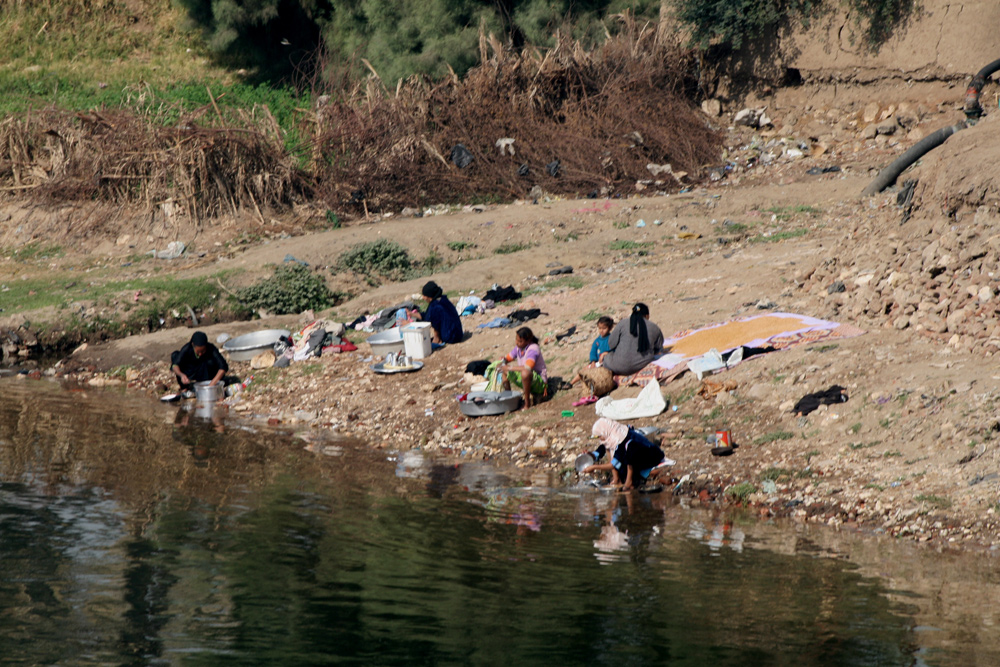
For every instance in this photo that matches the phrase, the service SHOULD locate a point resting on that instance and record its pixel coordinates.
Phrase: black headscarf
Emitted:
(637, 326)
(432, 290)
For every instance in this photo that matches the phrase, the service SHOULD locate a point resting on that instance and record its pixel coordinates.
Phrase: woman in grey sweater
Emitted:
(633, 344)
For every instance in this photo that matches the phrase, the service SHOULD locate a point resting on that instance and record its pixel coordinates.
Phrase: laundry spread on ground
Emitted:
(756, 334)
(777, 330)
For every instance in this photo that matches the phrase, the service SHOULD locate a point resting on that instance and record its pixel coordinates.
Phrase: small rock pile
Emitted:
(938, 277)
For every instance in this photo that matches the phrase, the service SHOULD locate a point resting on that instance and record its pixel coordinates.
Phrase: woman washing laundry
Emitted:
(524, 367)
(634, 459)
(446, 325)
(633, 343)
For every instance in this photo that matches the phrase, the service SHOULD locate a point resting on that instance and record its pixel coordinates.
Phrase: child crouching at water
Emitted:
(634, 459)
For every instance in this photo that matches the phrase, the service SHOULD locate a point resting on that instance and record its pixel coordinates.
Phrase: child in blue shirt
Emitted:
(604, 326)
(600, 346)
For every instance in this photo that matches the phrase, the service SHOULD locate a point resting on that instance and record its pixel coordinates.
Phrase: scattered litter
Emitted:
(291, 258)
(506, 145)
(460, 156)
(173, 250)
(815, 171)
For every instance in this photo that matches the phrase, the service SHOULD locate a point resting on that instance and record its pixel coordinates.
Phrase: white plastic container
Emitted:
(417, 340)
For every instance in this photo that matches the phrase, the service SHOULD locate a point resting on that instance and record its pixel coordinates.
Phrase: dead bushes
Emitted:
(119, 157)
(598, 122)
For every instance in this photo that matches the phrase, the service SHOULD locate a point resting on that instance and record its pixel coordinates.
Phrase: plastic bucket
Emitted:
(417, 340)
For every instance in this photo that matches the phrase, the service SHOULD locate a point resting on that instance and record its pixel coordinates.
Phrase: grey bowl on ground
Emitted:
(248, 346)
(492, 403)
(390, 340)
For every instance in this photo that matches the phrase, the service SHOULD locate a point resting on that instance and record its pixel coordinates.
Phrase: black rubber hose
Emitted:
(972, 107)
(888, 176)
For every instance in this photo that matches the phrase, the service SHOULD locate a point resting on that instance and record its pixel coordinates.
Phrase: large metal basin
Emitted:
(390, 340)
(485, 403)
(248, 346)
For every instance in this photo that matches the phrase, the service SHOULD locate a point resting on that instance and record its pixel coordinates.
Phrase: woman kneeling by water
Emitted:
(525, 368)
(634, 459)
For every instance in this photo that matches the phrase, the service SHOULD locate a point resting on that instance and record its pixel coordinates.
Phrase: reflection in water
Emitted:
(131, 535)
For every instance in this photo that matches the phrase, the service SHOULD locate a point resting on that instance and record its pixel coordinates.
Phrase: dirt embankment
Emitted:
(776, 224)
(911, 453)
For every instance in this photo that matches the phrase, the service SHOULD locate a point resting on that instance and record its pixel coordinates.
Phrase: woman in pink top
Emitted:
(525, 368)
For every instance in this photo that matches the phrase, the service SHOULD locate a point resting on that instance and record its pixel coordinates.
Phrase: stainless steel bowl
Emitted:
(206, 392)
(248, 346)
(484, 403)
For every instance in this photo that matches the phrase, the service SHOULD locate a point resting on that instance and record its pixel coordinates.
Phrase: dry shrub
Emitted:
(118, 157)
(604, 115)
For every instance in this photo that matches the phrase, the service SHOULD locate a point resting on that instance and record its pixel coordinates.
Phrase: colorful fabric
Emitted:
(538, 385)
(754, 331)
(494, 378)
(530, 356)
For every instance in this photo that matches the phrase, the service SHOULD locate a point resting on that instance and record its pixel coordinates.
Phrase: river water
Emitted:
(138, 533)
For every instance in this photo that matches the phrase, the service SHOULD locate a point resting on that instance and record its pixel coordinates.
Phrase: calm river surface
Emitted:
(137, 533)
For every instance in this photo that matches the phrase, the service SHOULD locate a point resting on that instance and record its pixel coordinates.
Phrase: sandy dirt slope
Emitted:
(888, 459)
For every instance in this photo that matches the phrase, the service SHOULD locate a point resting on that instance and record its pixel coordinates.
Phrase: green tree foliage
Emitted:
(733, 22)
(274, 38)
(398, 37)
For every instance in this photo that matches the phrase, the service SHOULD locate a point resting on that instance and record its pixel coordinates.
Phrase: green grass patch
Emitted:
(713, 415)
(864, 445)
(511, 248)
(855, 427)
(779, 236)
(741, 492)
(940, 502)
(774, 474)
(783, 213)
(685, 396)
(638, 247)
(32, 251)
(567, 282)
(459, 246)
(774, 436)
(592, 316)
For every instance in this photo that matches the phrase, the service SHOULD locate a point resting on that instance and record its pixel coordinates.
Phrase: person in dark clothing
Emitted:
(634, 459)
(198, 361)
(442, 316)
